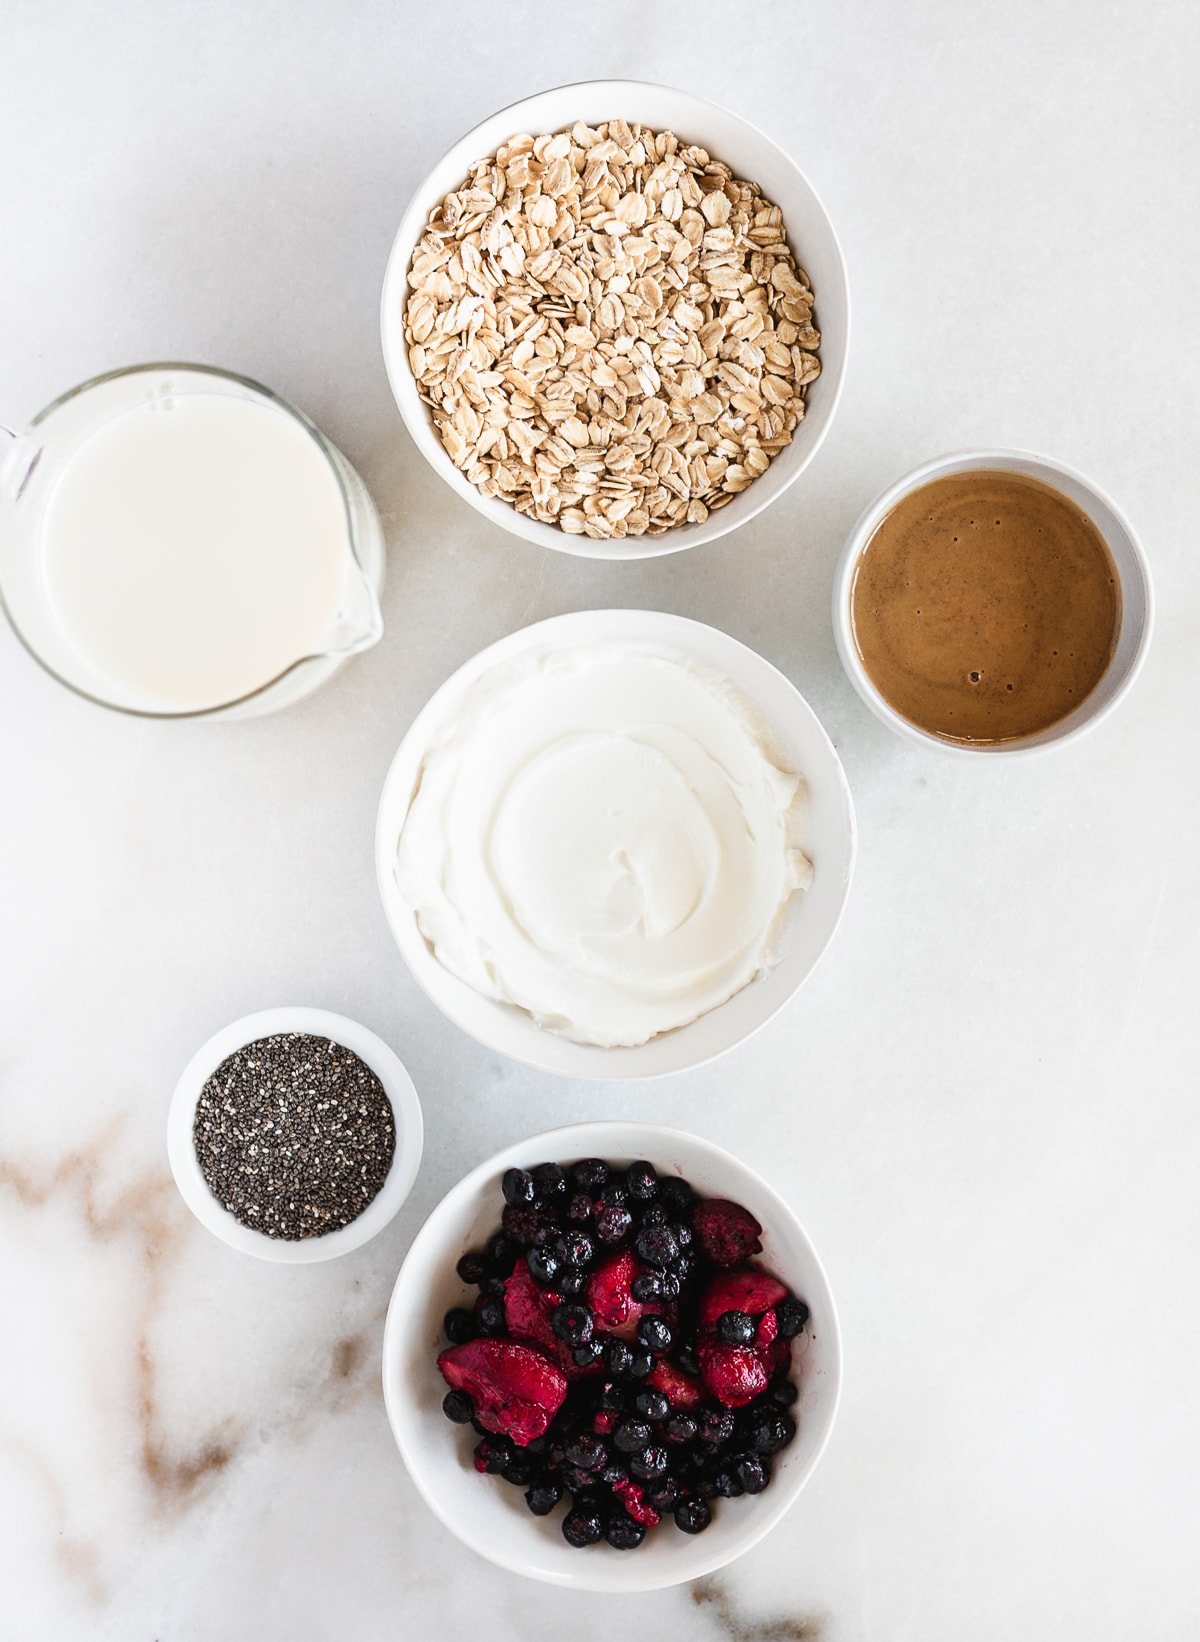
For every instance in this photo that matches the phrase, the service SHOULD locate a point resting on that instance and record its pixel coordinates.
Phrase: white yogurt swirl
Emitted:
(606, 838)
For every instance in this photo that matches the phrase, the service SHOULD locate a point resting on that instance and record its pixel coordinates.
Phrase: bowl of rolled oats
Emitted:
(616, 319)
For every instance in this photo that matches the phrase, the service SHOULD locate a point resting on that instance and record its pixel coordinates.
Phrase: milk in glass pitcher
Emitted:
(178, 542)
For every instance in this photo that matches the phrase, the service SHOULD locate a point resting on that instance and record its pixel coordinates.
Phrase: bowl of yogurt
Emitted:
(614, 844)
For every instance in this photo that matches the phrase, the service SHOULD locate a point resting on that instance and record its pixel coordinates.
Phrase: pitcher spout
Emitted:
(359, 623)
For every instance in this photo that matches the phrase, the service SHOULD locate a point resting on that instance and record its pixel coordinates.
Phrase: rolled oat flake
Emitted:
(294, 1135)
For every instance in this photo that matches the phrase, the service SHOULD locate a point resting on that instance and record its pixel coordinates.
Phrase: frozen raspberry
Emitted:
(634, 1500)
(727, 1233)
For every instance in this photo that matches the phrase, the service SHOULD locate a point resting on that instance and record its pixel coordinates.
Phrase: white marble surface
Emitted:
(984, 1104)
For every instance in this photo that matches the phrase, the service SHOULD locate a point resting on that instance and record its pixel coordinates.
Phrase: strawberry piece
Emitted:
(747, 1290)
(609, 1292)
(733, 1374)
(527, 1312)
(527, 1309)
(680, 1390)
(611, 1298)
(515, 1390)
(635, 1505)
(727, 1233)
(768, 1328)
(774, 1357)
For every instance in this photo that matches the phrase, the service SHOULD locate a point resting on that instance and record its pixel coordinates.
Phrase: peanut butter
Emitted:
(985, 607)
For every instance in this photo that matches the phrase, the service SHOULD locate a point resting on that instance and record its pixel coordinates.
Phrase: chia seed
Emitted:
(294, 1135)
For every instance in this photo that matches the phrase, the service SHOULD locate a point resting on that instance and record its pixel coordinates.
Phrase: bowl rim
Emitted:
(548, 1052)
(457, 158)
(406, 1111)
(613, 1137)
(973, 458)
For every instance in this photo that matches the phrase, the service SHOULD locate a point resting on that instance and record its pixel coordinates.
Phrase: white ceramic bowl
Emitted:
(398, 1087)
(753, 156)
(487, 1513)
(1133, 570)
(812, 919)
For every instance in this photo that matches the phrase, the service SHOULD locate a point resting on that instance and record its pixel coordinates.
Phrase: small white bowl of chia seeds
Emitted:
(294, 1135)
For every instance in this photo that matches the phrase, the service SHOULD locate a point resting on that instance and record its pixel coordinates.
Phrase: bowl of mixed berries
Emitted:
(611, 1339)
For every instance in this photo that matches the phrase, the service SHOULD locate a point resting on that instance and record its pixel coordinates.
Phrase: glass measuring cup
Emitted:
(31, 467)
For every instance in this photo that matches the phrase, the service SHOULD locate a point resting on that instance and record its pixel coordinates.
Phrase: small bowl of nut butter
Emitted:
(992, 601)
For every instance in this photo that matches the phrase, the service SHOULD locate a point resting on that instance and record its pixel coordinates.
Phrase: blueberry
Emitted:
(670, 1285)
(473, 1267)
(684, 1235)
(543, 1266)
(656, 1245)
(613, 1223)
(791, 1315)
(589, 1174)
(457, 1406)
(502, 1254)
(570, 1281)
(724, 1483)
(493, 1287)
(575, 1479)
(614, 1191)
(624, 1534)
(520, 1224)
(688, 1361)
(752, 1472)
(579, 1210)
(783, 1393)
(681, 1428)
(653, 1214)
(492, 1455)
(519, 1471)
(651, 1462)
(578, 1248)
(518, 1188)
(654, 1334)
(716, 1425)
(587, 1451)
(573, 1323)
(618, 1358)
(543, 1496)
(693, 1516)
(675, 1195)
(549, 1182)
(588, 1353)
(662, 1494)
(490, 1316)
(641, 1365)
(641, 1181)
(652, 1405)
(772, 1432)
(460, 1326)
(736, 1328)
(631, 1436)
(582, 1527)
(614, 1396)
(615, 1474)
(647, 1285)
